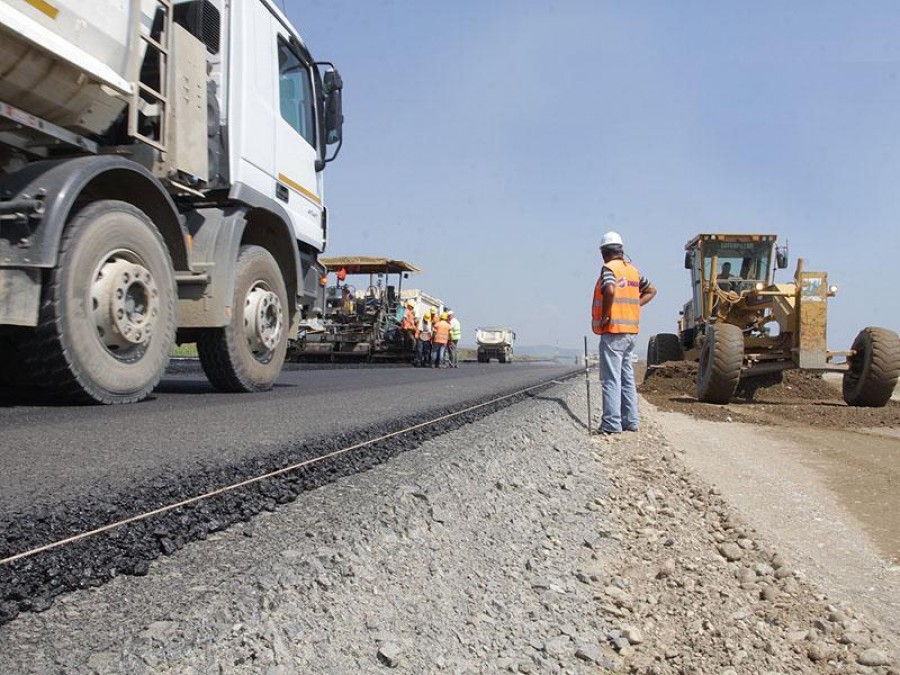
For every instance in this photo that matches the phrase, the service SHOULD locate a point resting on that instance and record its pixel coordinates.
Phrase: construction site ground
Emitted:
(826, 474)
(518, 543)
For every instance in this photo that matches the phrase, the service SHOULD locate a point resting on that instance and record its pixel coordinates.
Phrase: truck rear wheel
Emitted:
(248, 354)
(107, 319)
(874, 369)
(721, 358)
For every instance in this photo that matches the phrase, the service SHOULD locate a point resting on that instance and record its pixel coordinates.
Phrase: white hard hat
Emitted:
(611, 239)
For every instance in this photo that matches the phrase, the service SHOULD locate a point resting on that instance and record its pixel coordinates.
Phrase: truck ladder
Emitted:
(147, 100)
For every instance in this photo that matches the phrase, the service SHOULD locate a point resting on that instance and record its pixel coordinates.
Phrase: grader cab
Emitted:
(744, 330)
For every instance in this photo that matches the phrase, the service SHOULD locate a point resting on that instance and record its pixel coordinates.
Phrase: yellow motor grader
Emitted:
(744, 330)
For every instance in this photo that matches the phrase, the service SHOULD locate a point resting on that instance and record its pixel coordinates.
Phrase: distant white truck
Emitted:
(495, 343)
(161, 181)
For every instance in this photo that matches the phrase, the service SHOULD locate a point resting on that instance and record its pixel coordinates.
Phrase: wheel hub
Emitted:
(263, 320)
(125, 301)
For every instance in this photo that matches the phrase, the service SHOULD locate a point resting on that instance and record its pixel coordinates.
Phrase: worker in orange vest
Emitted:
(408, 325)
(619, 294)
(440, 338)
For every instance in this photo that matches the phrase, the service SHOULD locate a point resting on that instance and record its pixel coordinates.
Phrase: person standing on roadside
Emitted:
(619, 294)
(455, 335)
(423, 343)
(439, 340)
(408, 325)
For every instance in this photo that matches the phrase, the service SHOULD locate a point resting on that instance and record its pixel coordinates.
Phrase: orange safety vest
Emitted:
(441, 332)
(626, 309)
(409, 320)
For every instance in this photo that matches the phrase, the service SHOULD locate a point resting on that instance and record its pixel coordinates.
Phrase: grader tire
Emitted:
(719, 370)
(668, 348)
(874, 369)
(653, 351)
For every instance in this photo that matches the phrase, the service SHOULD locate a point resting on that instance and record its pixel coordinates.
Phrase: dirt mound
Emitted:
(676, 378)
(679, 379)
(800, 398)
(800, 385)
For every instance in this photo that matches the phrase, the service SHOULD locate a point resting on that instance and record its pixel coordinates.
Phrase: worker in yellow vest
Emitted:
(619, 294)
(455, 335)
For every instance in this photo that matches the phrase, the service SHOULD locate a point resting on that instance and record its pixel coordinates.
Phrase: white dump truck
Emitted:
(495, 343)
(160, 181)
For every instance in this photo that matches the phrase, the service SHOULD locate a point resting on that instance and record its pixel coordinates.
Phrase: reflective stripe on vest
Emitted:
(455, 329)
(625, 316)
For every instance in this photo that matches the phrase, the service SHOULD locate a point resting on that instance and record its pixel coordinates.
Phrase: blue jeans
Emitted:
(423, 352)
(620, 403)
(437, 355)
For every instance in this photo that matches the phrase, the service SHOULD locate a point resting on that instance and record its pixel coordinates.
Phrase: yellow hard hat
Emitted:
(433, 311)
(443, 315)
(410, 303)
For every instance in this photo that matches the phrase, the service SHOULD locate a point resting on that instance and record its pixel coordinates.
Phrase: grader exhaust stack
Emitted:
(744, 330)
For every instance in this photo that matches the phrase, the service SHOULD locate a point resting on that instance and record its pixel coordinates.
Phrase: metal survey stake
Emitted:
(587, 382)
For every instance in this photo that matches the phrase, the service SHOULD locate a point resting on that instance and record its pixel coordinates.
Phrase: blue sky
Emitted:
(492, 143)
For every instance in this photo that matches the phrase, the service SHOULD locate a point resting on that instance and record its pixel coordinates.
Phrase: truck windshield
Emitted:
(744, 260)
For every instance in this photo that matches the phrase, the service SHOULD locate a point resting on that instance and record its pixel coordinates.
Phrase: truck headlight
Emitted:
(760, 285)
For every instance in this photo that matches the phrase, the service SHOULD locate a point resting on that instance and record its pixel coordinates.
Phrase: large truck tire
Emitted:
(247, 354)
(874, 369)
(668, 348)
(653, 351)
(721, 358)
(501, 357)
(107, 319)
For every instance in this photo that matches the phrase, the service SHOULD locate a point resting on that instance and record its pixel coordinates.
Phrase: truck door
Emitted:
(298, 187)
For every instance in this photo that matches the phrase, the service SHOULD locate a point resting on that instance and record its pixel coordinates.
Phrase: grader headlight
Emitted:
(832, 290)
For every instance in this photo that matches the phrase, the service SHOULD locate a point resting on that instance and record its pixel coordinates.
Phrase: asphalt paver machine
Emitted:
(362, 312)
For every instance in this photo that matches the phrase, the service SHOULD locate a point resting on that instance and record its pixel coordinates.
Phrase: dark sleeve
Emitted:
(607, 278)
(643, 284)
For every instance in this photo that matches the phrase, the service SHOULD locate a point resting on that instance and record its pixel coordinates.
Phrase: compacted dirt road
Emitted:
(798, 426)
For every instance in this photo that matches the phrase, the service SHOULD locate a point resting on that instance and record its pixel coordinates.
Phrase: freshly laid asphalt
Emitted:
(70, 470)
(52, 454)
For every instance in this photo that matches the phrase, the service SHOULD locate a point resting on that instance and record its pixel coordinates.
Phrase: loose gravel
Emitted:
(512, 544)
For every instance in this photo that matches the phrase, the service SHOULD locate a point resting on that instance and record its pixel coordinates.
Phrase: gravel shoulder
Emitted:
(782, 482)
(513, 544)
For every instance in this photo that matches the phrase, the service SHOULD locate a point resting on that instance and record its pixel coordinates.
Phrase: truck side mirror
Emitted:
(781, 258)
(334, 111)
(688, 260)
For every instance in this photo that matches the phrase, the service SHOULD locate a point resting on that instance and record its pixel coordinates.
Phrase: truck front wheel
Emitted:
(107, 319)
(247, 354)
